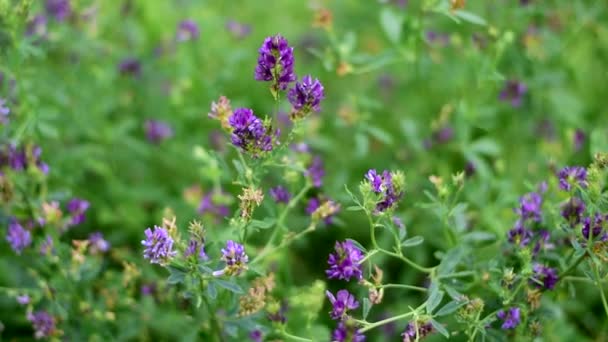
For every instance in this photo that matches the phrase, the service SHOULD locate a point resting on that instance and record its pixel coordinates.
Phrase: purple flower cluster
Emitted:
(347, 332)
(573, 211)
(520, 235)
(593, 227)
(313, 204)
(4, 112)
(18, 237)
(513, 92)
(316, 172)
(279, 194)
(238, 30)
(383, 184)
(345, 263)
(530, 207)
(571, 175)
(77, 208)
(187, 30)
(306, 96)
(98, 244)
(37, 27)
(209, 205)
(511, 318)
(47, 247)
(58, 9)
(341, 303)
(158, 245)
(157, 131)
(20, 158)
(196, 247)
(43, 323)
(275, 63)
(544, 277)
(235, 258)
(249, 132)
(416, 331)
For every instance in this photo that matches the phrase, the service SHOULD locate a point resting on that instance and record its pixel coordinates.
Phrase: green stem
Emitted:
(294, 337)
(386, 321)
(408, 261)
(283, 244)
(514, 293)
(572, 266)
(372, 228)
(600, 287)
(214, 322)
(369, 255)
(458, 275)
(403, 286)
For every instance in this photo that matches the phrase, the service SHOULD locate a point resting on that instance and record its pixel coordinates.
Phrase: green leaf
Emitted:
(358, 245)
(414, 241)
(455, 295)
(471, 18)
(354, 208)
(367, 305)
(176, 276)
(599, 141)
(230, 286)
(211, 290)
(380, 134)
(263, 224)
(440, 328)
(392, 23)
(435, 297)
(204, 269)
(450, 260)
(485, 146)
(449, 308)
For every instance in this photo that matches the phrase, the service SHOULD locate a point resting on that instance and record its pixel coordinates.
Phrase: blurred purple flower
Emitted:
(437, 38)
(130, 66)
(238, 30)
(4, 112)
(593, 227)
(573, 211)
(513, 92)
(280, 195)
(18, 237)
(209, 205)
(256, 335)
(157, 131)
(519, 235)
(544, 277)
(316, 172)
(43, 323)
(579, 139)
(47, 246)
(571, 175)
(416, 331)
(98, 244)
(23, 299)
(511, 318)
(187, 30)
(77, 208)
(347, 332)
(58, 9)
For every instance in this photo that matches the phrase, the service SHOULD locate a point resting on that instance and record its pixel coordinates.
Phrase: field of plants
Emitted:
(303, 170)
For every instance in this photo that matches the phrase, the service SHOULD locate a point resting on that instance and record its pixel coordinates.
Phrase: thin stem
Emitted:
(214, 322)
(386, 321)
(408, 261)
(294, 337)
(403, 286)
(572, 266)
(458, 275)
(283, 244)
(369, 255)
(600, 287)
(372, 228)
(514, 293)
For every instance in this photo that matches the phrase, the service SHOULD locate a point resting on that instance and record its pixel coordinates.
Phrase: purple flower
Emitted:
(443, 135)
(43, 323)
(530, 207)
(58, 9)
(511, 318)
(37, 27)
(278, 315)
(579, 139)
(571, 175)
(316, 172)
(347, 332)
(23, 299)
(306, 96)
(593, 227)
(300, 147)
(437, 38)
(47, 246)
(17, 236)
(513, 92)
(345, 263)
(210, 205)
(275, 63)
(416, 331)
(130, 66)
(98, 243)
(543, 242)
(42, 166)
(77, 208)
(18, 158)
(187, 30)
(544, 277)
(235, 258)
(196, 247)
(249, 133)
(519, 235)
(256, 335)
(280, 195)
(4, 112)
(573, 211)
(238, 30)
(157, 131)
(313, 204)
(148, 289)
(341, 303)
(384, 185)
(158, 245)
